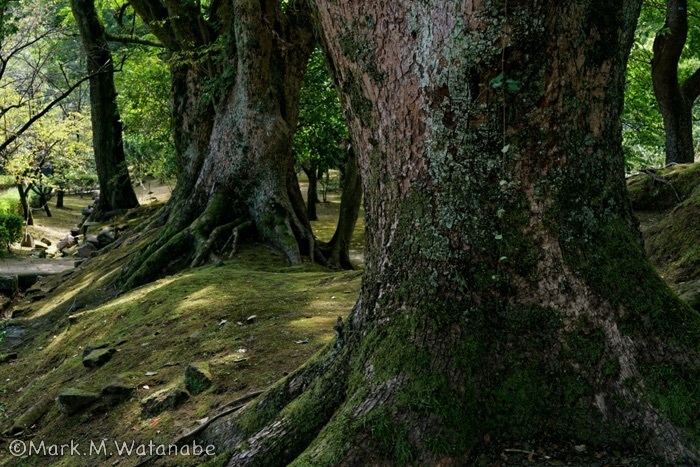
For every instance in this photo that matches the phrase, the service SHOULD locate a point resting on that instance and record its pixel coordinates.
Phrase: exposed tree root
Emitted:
(203, 250)
(283, 421)
(180, 245)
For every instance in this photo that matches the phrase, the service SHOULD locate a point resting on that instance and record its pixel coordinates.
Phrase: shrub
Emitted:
(9, 203)
(10, 229)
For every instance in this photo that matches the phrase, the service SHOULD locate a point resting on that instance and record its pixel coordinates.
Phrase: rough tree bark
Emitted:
(116, 191)
(312, 173)
(675, 99)
(238, 68)
(24, 201)
(506, 291)
(338, 248)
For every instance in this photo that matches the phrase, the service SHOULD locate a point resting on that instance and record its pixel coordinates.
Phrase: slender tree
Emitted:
(675, 98)
(236, 71)
(338, 248)
(116, 191)
(506, 291)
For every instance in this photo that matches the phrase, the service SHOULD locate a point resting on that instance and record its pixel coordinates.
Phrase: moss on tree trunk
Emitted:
(506, 290)
(234, 114)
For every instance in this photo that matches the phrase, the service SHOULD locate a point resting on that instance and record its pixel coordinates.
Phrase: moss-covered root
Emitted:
(204, 248)
(282, 228)
(151, 265)
(176, 245)
(285, 420)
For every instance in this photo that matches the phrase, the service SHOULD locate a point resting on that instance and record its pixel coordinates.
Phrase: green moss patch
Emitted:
(668, 212)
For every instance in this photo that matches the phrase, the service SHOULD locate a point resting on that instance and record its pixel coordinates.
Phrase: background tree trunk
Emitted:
(234, 115)
(506, 291)
(312, 192)
(24, 202)
(116, 191)
(675, 100)
(338, 249)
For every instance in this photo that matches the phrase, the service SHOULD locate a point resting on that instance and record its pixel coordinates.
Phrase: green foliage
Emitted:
(10, 229)
(321, 130)
(9, 202)
(144, 93)
(643, 131)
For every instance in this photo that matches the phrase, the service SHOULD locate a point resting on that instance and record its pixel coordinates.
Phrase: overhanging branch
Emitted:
(44, 111)
(124, 39)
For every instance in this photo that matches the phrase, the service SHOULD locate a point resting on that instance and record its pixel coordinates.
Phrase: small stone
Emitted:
(86, 250)
(197, 377)
(165, 399)
(96, 357)
(67, 242)
(87, 212)
(45, 241)
(251, 319)
(72, 401)
(93, 239)
(118, 390)
(105, 237)
(41, 245)
(9, 283)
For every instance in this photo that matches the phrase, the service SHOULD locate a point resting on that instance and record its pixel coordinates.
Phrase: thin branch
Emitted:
(124, 39)
(44, 111)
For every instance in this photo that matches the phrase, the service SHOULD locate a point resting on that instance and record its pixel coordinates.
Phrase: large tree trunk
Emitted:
(116, 191)
(234, 138)
(675, 100)
(338, 249)
(506, 291)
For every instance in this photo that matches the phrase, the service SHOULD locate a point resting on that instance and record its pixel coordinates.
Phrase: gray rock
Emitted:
(96, 357)
(93, 239)
(117, 391)
(9, 284)
(72, 401)
(67, 242)
(45, 241)
(75, 231)
(165, 399)
(197, 377)
(106, 236)
(86, 250)
(87, 212)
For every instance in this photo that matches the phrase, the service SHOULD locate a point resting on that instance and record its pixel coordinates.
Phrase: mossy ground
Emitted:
(198, 315)
(667, 204)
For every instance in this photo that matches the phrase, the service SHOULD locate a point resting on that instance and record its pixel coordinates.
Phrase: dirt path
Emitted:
(22, 266)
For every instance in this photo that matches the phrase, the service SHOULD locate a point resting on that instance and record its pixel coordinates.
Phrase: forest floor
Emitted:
(251, 320)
